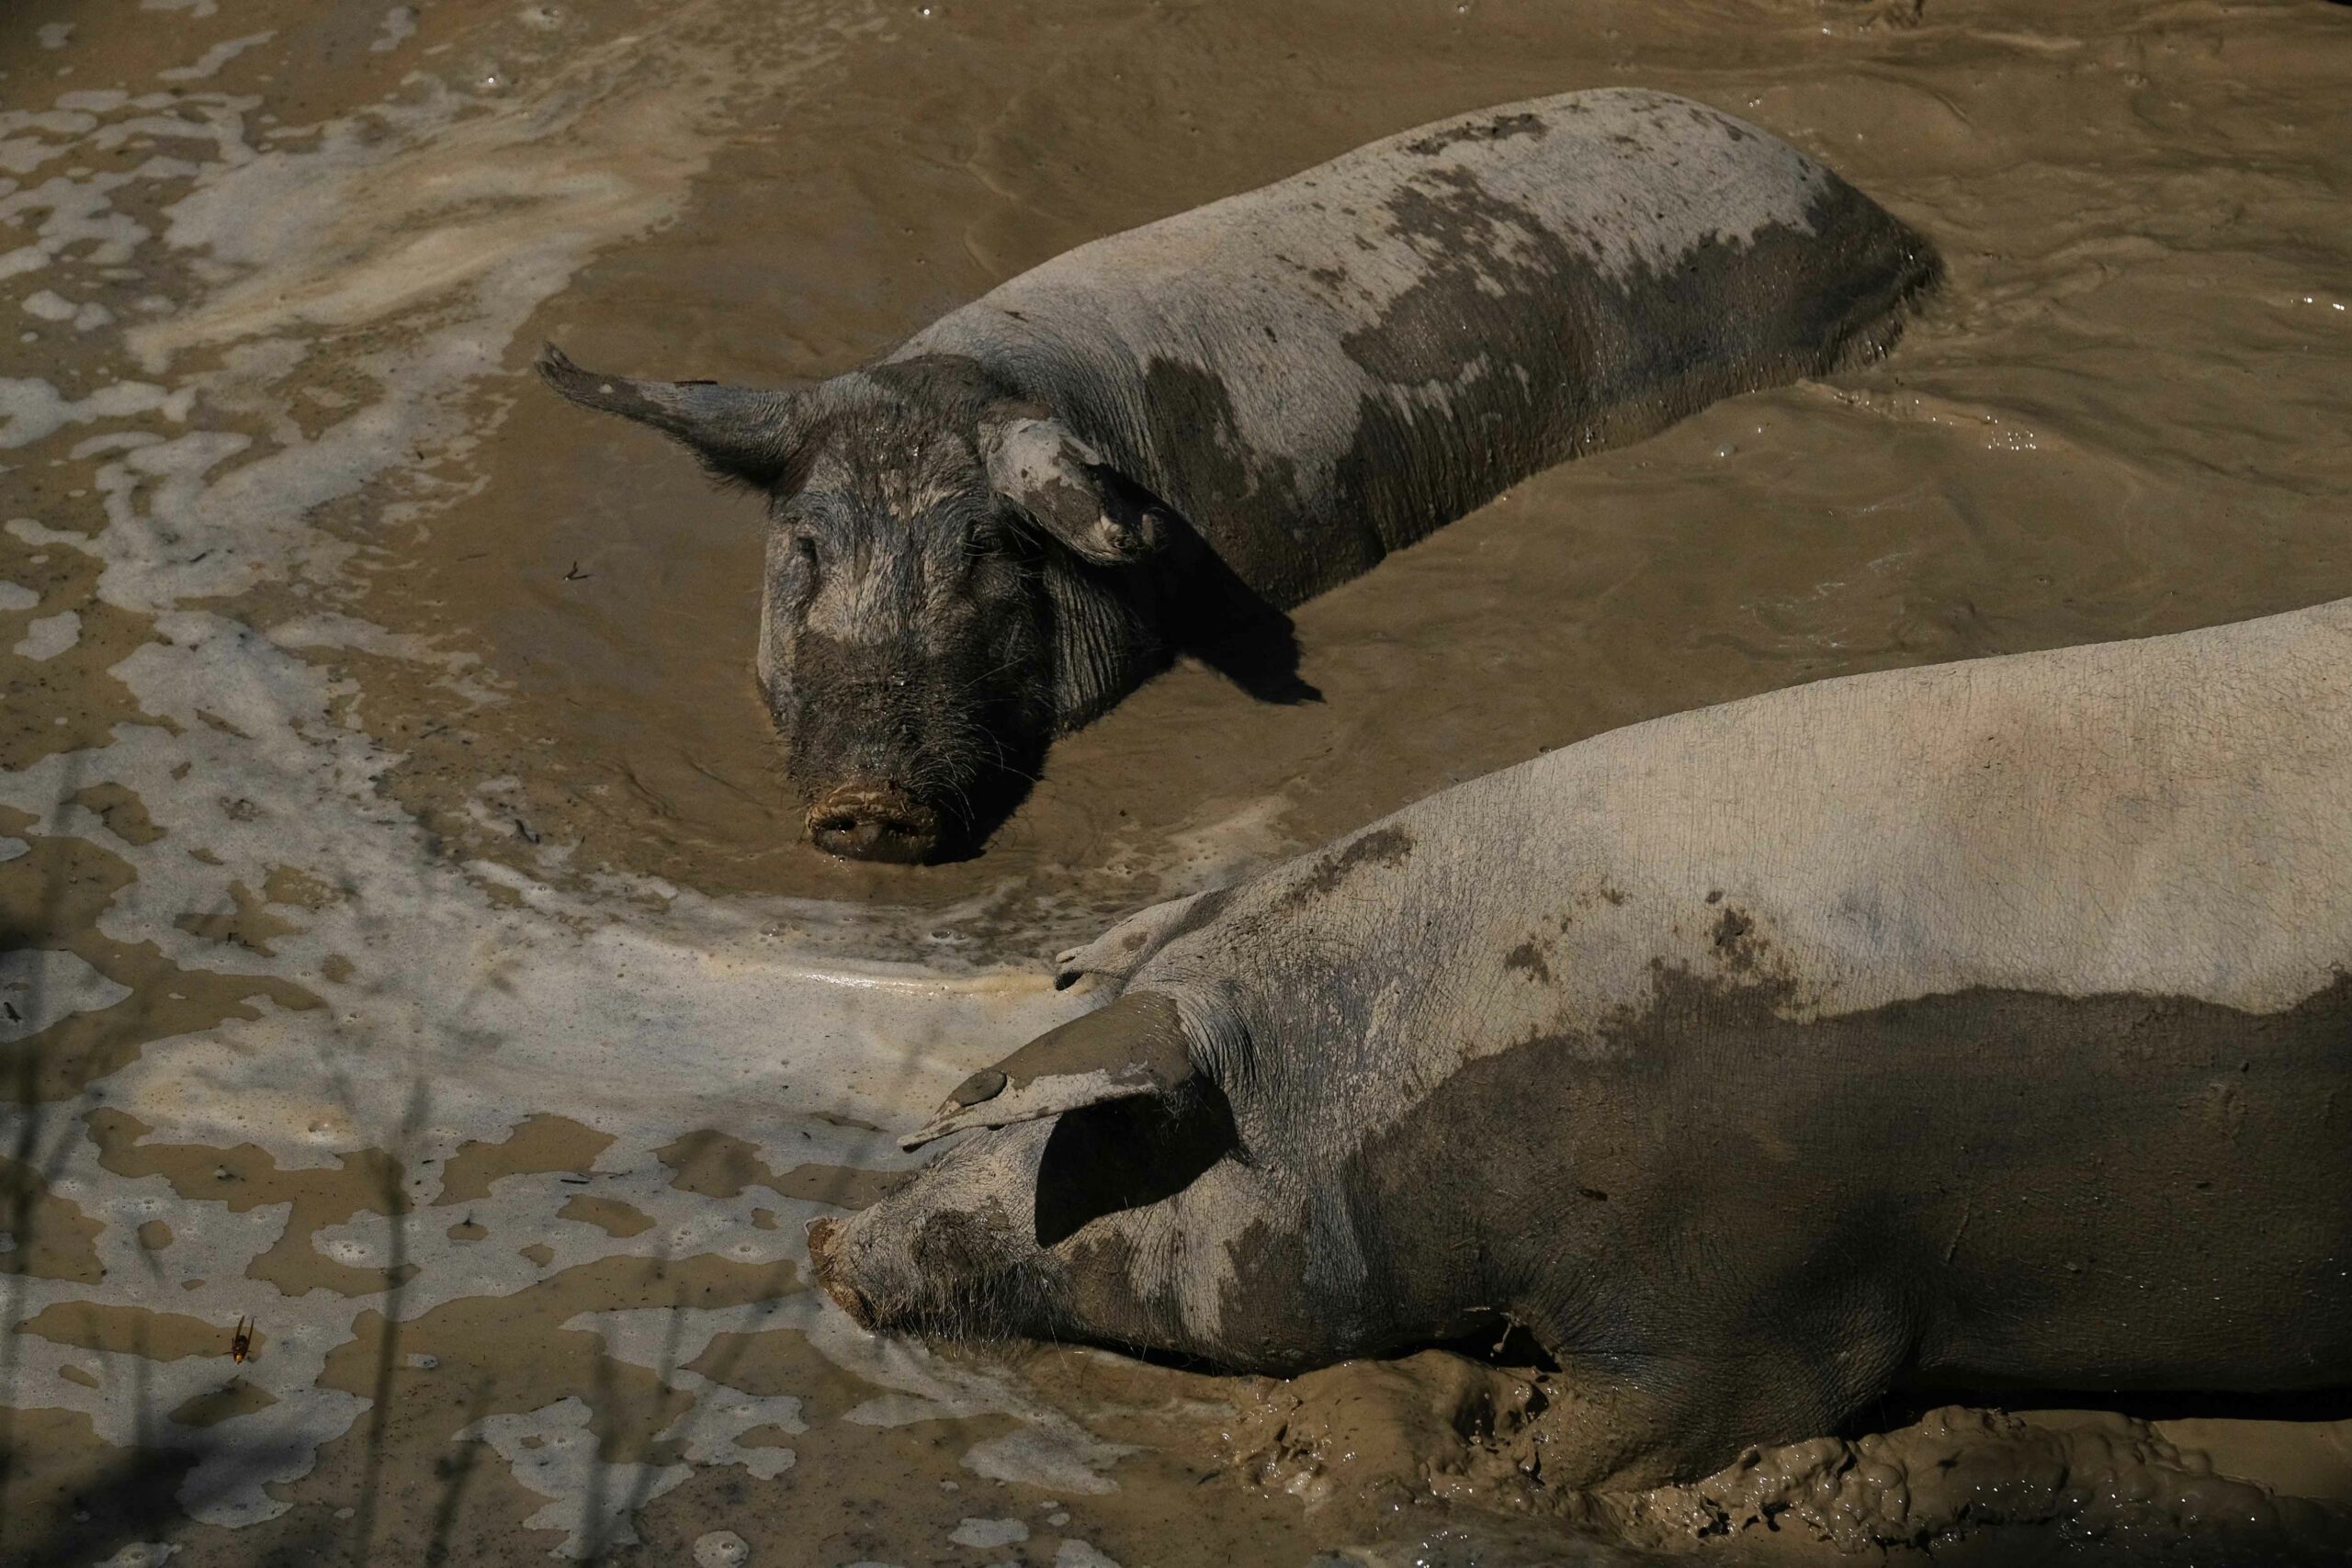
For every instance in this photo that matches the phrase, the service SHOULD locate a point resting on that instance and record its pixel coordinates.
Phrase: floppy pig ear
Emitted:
(741, 433)
(1125, 947)
(1135, 1046)
(1069, 488)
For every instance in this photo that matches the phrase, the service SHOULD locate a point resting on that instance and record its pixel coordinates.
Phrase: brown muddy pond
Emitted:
(407, 939)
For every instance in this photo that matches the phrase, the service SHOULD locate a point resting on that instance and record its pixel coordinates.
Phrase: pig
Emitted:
(1160, 441)
(1979, 1027)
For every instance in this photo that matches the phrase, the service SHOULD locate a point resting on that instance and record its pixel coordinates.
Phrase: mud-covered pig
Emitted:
(1981, 1026)
(995, 532)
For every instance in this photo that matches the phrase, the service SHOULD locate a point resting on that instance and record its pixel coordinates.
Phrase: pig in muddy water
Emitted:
(1982, 1026)
(1160, 440)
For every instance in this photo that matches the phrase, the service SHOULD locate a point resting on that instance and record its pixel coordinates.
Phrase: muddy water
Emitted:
(409, 947)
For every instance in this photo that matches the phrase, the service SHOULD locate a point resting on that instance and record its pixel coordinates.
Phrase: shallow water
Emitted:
(409, 942)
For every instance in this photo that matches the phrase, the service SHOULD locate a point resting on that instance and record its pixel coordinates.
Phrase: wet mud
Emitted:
(406, 938)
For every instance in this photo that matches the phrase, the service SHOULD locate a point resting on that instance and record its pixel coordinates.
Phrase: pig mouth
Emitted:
(962, 1296)
(823, 1235)
(875, 820)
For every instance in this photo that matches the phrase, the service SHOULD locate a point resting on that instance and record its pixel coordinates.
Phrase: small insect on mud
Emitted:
(241, 1343)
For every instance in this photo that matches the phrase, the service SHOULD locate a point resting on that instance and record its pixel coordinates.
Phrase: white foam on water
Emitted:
(399, 26)
(32, 409)
(48, 307)
(1031, 1456)
(553, 1452)
(50, 635)
(219, 54)
(143, 1554)
(988, 1534)
(38, 987)
(455, 1000)
(721, 1548)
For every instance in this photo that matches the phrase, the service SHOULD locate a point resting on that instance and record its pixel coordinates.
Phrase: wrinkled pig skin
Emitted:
(1163, 439)
(1985, 1026)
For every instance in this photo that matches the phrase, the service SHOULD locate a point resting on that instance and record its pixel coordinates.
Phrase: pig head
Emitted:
(949, 582)
(1131, 1179)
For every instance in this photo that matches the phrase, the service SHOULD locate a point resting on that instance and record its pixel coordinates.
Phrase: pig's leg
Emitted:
(1608, 1431)
(1623, 1422)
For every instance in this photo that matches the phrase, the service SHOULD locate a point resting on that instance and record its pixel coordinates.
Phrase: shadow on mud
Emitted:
(1246, 640)
(46, 1513)
(1224, 624)
(90, 1517)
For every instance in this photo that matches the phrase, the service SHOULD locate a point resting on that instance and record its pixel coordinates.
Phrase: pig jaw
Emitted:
(824, 1237)
(950, 1255)
(957, 1276)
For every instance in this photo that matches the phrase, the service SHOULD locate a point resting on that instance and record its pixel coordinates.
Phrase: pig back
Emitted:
(1325, 369)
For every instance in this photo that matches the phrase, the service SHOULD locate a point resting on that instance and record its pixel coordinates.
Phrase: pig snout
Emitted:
(823, 1238)
(873, 820)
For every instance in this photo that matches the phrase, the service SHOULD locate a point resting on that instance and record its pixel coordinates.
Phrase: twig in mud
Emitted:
(591, 1511)
(665, 1367)
(446, 1512)
(363, 1523)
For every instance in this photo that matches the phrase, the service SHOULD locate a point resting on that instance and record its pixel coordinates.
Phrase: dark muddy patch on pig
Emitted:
(1489, 266)
(1263, 1324)
(1471, 362)
(1202, 912)
(1736, 942)
(1194, 414)
(1502, 127)
(1189, 399)
(1382, 846)
(957, 1245)
(1984, 1190)
(1484, 379)
(1528, 959)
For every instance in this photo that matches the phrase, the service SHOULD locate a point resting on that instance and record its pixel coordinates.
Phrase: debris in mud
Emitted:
(1459, 1445)
(1392, 1433)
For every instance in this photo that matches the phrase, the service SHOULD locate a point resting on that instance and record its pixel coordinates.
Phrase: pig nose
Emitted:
(822, 1238)
(873, 820)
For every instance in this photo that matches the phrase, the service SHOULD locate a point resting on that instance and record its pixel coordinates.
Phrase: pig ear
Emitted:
(744, 435)
(1069, 488)
(1135, 1046)
(1120, 951)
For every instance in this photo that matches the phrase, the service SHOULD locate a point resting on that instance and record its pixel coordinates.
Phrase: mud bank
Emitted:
(408, 946)
(1439, 1459)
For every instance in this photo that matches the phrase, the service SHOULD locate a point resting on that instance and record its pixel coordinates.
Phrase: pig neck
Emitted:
(1105, 634)
(1110, 628)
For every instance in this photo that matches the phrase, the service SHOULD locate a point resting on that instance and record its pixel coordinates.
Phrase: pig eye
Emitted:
(793, 570)
(994, 544)
(984, 554)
